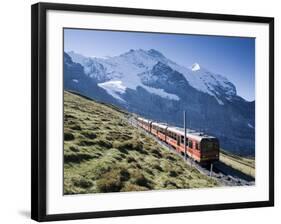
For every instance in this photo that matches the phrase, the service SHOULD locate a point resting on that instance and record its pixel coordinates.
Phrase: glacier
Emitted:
(114, 88)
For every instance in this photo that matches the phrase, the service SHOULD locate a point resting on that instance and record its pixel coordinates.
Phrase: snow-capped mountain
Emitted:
(124, 70)
(149, 84)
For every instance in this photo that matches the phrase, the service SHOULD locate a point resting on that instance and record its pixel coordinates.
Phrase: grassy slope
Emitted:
(245, 165)
(103, 153)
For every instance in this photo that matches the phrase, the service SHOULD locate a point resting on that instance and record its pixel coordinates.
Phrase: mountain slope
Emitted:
(76, 80)
(104, 153)
(149, 84)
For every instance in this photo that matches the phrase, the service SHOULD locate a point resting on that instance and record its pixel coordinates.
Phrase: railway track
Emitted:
(222, 173)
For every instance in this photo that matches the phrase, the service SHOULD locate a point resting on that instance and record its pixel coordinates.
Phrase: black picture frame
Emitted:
(39, 122)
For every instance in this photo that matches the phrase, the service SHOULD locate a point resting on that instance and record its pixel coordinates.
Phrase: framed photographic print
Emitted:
(138, 111)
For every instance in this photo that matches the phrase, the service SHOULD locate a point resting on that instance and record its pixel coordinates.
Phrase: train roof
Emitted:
(161, 125)
(143, 119)
(190, 133)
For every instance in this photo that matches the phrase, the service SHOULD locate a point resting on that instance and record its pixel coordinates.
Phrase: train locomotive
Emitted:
(200, 147)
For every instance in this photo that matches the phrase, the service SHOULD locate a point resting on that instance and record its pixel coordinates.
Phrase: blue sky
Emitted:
(232, 57)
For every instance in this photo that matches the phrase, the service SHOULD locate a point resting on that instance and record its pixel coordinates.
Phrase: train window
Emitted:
(216, 145)
(208, 145)
(196, 146)
(190, 145)
(182, 139)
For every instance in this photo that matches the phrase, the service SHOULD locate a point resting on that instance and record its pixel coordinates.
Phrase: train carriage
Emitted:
(154, 128)
(160, 130)
(202, 148)
(144, 123)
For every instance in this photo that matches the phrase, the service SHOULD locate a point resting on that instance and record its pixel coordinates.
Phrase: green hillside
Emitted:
(104, 153)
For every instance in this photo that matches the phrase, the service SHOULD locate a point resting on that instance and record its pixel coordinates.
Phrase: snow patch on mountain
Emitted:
(162, 93)
(219, 101)
(114, 88)
(195, 67)
(250, 126)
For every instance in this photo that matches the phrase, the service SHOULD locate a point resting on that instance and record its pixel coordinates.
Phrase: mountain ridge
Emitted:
(139, 61)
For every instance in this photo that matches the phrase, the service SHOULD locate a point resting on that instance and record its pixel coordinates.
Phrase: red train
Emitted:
(202, 148)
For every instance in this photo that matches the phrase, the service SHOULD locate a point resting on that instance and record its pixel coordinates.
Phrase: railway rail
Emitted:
(221, 172)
